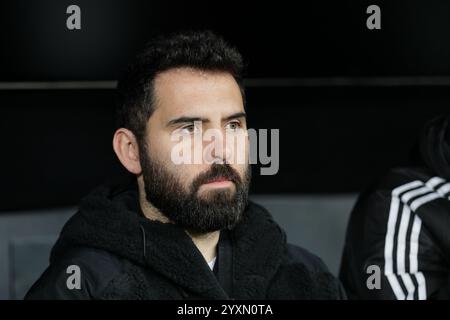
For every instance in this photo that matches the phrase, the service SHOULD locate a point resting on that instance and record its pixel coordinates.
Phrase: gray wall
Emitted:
(25, 242)
(315, 222)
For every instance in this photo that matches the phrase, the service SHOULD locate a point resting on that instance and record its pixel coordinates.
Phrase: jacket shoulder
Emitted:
(81, 273)
(313, 263)
(374, 201)
(303, 275)
(396, 177)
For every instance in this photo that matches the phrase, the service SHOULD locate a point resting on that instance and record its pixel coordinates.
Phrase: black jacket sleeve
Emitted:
(387, 233)
(315, 265)
(94, 268)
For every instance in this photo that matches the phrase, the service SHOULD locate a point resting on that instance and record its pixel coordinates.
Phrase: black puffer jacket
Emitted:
(123, 255)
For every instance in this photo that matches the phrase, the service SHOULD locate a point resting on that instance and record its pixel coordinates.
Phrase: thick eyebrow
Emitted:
(185, 119)
(236, 116)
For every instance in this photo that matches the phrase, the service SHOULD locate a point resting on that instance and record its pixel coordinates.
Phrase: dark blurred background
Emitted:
(349, 103)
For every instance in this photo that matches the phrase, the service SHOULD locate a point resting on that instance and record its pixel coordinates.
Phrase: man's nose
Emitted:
(218, 147)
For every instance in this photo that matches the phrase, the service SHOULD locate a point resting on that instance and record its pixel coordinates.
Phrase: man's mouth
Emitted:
(219, 182)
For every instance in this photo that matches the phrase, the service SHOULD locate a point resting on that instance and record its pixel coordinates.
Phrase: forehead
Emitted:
(191, 92)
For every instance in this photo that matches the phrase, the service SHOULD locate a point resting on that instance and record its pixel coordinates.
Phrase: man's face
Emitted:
(206, 196)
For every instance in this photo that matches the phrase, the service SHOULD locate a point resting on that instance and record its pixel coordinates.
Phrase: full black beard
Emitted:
(217, 210)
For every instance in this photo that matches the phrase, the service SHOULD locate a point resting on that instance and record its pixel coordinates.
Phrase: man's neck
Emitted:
(205, 243)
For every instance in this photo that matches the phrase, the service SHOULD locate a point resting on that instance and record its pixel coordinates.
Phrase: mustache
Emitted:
(217, 171)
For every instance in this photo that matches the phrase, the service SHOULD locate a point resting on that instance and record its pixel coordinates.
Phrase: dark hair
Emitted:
(201, 50)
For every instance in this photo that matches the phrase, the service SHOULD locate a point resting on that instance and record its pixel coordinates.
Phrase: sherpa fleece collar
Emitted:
(109, 219)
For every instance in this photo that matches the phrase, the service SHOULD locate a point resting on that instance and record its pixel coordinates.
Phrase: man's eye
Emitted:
(233, 125)
(189, 129)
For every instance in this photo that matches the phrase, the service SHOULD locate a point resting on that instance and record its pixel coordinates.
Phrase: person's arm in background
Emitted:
(404, 239)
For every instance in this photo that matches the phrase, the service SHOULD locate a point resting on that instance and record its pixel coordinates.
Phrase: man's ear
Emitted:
(127, 150)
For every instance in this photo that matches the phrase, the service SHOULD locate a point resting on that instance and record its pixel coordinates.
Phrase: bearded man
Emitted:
(185, 230)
